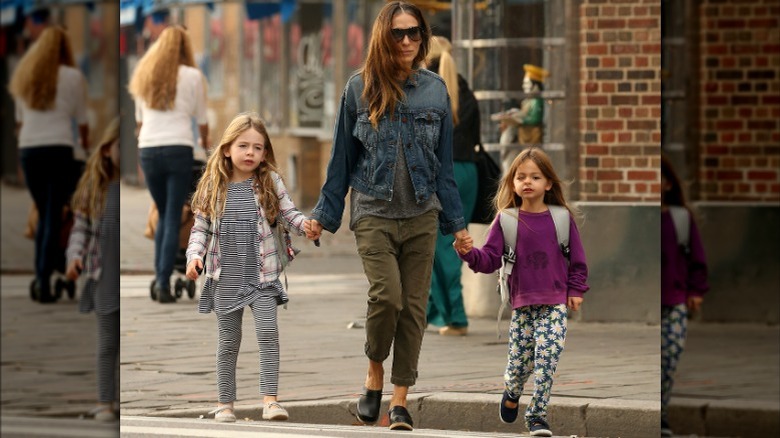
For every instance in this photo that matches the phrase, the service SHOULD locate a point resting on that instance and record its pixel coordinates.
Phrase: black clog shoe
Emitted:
(368, 405)
(400, 419)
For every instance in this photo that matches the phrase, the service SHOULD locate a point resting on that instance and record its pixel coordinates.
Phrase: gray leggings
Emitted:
(107, 356)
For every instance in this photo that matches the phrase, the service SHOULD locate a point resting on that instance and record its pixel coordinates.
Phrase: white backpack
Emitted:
(508, 219)
(682, 226)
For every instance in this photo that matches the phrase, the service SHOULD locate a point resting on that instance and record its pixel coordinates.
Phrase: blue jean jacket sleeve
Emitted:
(451, 217)
(343, 156)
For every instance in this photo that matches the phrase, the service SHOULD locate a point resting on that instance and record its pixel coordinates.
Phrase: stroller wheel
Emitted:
(59, 286)
(152, 292)
(70, 288)
(191, 288)
(178, 287)
(35, 290)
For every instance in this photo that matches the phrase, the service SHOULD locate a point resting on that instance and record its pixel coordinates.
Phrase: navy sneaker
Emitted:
(665, 430)
(539, 427)
(506, 414)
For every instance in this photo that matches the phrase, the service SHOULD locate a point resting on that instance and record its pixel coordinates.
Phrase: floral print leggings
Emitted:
(674, 325)
(536, 337)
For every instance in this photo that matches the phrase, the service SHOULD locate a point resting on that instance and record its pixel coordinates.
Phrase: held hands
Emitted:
(313, 229)
(463, 242)
(194, 269)
(74, 270)
(573, 303)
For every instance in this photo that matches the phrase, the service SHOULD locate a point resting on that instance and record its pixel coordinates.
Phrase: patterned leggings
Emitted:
(229, 341)
(674, 326)
(536, 338)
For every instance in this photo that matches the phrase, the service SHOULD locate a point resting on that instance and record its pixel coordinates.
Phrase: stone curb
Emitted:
(477, 413)
(724, 417)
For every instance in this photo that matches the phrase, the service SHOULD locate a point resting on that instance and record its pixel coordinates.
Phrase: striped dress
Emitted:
(241, 260)
(239, 286)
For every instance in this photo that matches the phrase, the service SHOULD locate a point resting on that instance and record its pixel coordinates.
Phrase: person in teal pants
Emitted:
(445, 305)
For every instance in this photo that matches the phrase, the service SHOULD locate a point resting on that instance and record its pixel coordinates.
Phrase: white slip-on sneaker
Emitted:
(275, 412)
(221, 414)
(103, 414)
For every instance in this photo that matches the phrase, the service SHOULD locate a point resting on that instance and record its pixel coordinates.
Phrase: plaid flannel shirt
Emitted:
(204, 237)
(83, 244)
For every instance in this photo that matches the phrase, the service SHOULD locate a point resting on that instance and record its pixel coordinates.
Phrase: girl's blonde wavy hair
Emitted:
(35, 79)
(90, 193)
(383, 67)
(441, 49)
(507, 198)
(210, 196)
(154, 79)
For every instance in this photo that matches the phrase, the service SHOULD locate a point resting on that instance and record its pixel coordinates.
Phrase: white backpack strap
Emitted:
(560, 217)
(508, 220)
(682, 224)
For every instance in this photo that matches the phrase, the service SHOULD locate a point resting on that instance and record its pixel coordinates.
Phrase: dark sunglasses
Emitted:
(414, 33)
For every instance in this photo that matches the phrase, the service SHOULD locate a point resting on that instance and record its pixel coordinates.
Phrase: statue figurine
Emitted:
(522, 126)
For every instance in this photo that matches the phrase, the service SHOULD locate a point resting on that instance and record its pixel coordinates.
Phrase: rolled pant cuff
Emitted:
(376, 358)
(402, 381)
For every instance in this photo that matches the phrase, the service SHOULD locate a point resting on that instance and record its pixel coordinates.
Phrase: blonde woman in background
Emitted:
(50, 95)
(169, 91)
(445, 305)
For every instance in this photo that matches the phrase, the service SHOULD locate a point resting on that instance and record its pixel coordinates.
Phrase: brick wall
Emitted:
(739, 100)
(620, 100)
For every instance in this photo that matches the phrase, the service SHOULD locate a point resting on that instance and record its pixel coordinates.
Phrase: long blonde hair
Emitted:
(90, 193)
(384, 65)
(506, 196)
(441, 49)
(35, 79)
(210, 195)
(154, 79)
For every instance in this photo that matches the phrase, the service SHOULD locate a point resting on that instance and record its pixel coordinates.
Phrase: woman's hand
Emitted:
(193, 268)
(313, 229)
(74, 270)
(463, 242)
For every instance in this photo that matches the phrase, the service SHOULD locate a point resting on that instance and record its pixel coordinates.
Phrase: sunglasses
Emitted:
(414, 34)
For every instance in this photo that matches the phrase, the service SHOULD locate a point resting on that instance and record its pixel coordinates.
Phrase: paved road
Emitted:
(137, 427)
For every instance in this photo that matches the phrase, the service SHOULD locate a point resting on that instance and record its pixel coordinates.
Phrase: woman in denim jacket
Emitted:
(393, 146)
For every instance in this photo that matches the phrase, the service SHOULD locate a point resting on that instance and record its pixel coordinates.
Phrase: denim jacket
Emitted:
(364, 158)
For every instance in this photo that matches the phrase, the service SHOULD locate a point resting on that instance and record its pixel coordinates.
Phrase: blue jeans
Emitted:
(50, 175)
(168, 174)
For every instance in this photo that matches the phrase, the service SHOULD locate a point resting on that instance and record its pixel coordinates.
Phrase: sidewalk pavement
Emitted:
(607, 383)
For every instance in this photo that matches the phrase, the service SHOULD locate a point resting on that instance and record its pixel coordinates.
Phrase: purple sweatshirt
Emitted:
(540, 274)
(681, 276)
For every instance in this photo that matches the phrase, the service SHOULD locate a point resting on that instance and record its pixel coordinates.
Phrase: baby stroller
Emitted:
(182, 283)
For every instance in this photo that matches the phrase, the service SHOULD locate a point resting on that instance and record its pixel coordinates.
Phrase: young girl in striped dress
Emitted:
(242, 211)
(93, 250)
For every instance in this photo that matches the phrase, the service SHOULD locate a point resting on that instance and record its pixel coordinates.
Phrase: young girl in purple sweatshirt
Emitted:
(683, 283)
(544, 285)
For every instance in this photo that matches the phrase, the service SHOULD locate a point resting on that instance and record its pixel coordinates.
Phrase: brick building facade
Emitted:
(620, 100)
(739, 104)
(720, 61)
